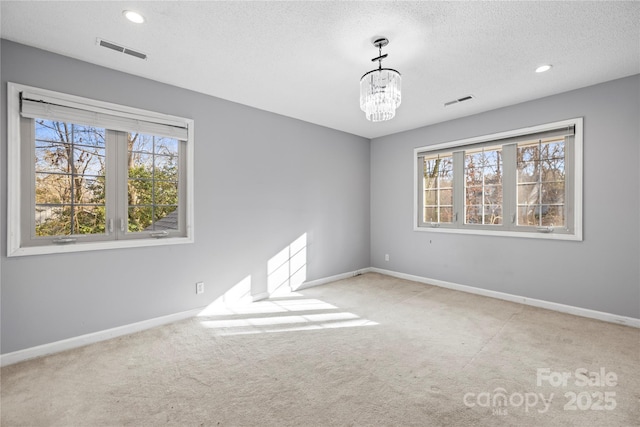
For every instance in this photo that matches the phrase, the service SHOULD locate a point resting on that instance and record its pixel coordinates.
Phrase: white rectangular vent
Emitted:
(121, 49)
(459, 100)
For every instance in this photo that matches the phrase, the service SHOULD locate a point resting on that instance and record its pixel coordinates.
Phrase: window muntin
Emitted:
(526, 182)
(541, 183)
(438, 188)
(69, 179)
(483, 186)
(68, 174)
(152, 183)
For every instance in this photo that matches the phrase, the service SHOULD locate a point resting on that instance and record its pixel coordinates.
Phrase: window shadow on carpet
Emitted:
(294, 312)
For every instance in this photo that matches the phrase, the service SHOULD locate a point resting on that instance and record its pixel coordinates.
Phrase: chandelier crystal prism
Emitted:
(380, 89)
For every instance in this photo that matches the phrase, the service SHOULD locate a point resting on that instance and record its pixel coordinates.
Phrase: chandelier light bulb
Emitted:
(380, 89)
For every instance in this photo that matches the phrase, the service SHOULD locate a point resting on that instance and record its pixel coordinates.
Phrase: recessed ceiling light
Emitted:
(543, 68)
(133, 16)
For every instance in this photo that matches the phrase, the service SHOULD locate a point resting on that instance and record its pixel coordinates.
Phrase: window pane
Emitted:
(551, 215)
(57, 220)
(141, 159)
(438, 186)
(528, 171)
(166, 218)
(529, 215)
(53, 220)
(473, 214)
(431, 198)
(492, 214)
(139, 218)
(69, 178)
(541, 183)
(474, 196)
(430, 214)
(53, 188)
(152, 182)
(90, 219)
(528, 194)
(553, 193)
(492, 194)
(541, 215)
(492, 176)
(167, 146)
(446, 197)
(166, 167)
(483, 186)
(165, 192)
(446, 214)
(140, 189)
(553, 173)
(553, 150)
(51, 157)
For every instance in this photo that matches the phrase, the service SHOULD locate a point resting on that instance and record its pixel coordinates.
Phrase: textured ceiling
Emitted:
(305, 59)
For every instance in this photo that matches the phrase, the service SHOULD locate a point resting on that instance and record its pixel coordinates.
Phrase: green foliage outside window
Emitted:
(70, 192)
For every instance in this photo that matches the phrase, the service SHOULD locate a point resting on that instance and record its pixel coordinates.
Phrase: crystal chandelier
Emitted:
(380, 89)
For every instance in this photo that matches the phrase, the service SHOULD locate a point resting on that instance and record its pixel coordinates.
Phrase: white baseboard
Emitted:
(577, 311)
(82, 340)
(330, 279)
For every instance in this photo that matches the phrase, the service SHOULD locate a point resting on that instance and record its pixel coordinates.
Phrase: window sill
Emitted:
(503, 233)
(94, 246)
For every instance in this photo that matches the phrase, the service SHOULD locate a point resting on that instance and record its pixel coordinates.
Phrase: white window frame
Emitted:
(574, 155)
(16, 181)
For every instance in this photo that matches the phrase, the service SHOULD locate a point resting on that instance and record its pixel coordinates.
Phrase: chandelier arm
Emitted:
(375, 70)
(380, 88)
(379, 58)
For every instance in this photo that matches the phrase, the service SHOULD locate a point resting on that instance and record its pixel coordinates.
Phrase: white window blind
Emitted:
(51, 108)
(563, 131)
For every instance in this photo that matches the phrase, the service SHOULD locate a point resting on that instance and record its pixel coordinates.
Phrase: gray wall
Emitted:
(261, 181)
(599, 273)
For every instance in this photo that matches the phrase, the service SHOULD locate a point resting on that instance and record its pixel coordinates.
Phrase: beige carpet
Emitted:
(366, 351)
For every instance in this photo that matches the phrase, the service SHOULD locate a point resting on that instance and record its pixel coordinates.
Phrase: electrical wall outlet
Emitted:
(386, 257)
(200, 288)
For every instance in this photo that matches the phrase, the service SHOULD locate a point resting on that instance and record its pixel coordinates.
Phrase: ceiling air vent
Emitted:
(121, 49)
(459, 100)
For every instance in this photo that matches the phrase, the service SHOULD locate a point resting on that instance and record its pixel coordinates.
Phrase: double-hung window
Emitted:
(86, 175)
(526, 182)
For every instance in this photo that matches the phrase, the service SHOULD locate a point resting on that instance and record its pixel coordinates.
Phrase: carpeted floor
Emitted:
(367, 351)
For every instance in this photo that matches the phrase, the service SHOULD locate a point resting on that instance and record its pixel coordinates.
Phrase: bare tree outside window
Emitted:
(152, 182)
(541, 183)
(483, 186)
(518, 183)
(438, 189)
(70, 189)
(87, 175)
(70, 179)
